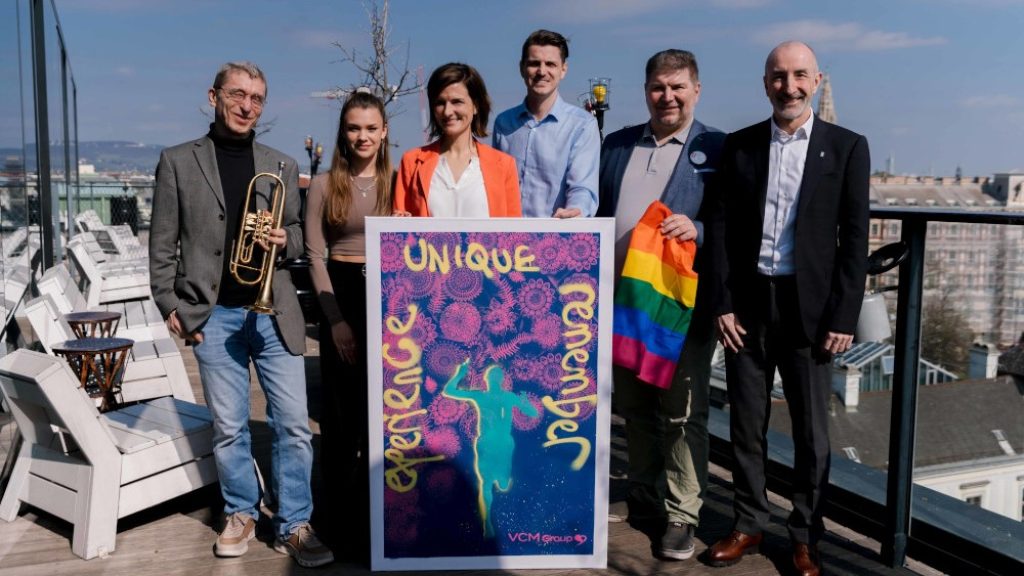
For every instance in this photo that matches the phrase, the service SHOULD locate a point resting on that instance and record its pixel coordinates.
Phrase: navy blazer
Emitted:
(684, 193)
(831, 243)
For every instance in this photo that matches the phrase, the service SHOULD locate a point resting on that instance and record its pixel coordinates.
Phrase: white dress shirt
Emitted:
(787, 154)
(465, 198)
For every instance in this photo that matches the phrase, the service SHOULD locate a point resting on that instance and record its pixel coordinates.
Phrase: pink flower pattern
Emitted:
(443, 440)
(512, 320)
(444, 410)
(583, 253)
(535, 297)
(548, 252)
(463, 284)
(547, 331)
(461, 322)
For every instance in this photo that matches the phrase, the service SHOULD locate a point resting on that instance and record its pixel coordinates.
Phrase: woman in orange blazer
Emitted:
(456, 176)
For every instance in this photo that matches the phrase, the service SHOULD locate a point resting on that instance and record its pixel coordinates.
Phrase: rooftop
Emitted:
(176, 537)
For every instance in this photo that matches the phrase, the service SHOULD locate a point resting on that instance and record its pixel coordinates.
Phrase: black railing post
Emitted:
(42, 118)
(904, 397)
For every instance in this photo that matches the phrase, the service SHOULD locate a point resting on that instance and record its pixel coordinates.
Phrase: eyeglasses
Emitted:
(238, 96)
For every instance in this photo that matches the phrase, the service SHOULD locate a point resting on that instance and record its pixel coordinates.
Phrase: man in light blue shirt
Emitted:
(556, 145)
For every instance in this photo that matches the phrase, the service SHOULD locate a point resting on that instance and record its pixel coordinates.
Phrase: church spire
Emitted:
(826, 108)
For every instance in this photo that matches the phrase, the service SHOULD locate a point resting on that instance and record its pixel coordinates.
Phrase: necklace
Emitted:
(364, 190)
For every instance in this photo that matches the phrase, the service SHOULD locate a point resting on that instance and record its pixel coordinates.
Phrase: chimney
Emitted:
(846, 383)
(983, 361)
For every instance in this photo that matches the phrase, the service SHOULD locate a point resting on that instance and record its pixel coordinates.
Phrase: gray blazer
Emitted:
(187, 236)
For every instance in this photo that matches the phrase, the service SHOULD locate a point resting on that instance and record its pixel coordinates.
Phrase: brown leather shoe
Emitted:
(806, 559)
(730, 550)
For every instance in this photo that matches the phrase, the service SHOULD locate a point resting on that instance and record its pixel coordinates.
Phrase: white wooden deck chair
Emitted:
(154, 367)
(15, 284)
(119, 245)
(91, 469)
(104, 287)
(90, 221)
(140, 319)
(14, 243)
(106, 256)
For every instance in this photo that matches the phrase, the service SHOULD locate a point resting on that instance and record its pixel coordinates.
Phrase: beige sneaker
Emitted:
(234, 540)
(305, 547)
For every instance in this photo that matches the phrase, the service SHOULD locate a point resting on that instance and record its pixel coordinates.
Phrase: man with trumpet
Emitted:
(204, 191)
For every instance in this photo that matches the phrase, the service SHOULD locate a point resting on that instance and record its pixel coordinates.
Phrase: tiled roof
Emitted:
(1012, 361)
(955, 421)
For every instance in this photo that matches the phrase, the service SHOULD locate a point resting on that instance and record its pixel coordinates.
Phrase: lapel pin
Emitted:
(822, 155)
(698, 157)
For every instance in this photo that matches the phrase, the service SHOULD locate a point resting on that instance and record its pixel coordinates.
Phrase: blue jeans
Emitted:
(231, 337)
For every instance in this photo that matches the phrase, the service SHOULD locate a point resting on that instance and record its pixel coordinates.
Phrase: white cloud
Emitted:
(607, 10)
(118, 6)
(318, 38)
(124, 71)
(850, 36)
(740, 4)
(987, 101)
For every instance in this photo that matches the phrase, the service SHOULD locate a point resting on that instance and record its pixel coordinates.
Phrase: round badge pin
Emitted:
(698, 157)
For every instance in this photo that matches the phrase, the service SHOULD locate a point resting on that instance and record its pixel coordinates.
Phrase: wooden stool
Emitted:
(99, 365)
(93, 324)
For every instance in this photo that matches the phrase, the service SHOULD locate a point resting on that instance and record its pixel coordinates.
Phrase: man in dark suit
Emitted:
(197, 211)
(669, 158)
(789, 240)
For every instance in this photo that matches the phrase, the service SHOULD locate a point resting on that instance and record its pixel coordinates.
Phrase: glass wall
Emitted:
(38, 151)
(17, 164)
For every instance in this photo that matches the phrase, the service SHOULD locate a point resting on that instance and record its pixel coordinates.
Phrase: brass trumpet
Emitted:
(255, 228)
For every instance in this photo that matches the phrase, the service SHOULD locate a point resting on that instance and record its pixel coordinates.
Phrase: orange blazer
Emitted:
(501, 180)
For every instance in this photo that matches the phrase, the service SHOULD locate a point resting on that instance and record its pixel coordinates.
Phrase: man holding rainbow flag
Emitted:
(663, 342)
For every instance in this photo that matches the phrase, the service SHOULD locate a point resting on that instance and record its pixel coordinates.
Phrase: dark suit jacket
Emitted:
(684, 193)
(188, 213)
(831, 241)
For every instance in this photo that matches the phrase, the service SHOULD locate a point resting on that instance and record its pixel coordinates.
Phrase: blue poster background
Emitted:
(498, 457)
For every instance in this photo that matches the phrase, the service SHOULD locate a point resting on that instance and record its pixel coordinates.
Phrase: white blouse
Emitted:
(466, 198)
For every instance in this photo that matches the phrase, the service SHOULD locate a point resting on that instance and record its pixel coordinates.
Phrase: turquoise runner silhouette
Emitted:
(493, 446)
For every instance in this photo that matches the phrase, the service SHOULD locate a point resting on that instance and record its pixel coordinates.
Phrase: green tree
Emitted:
(945, 335)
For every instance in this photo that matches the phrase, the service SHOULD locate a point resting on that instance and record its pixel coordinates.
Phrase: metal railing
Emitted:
(947, 533)
(908, 352)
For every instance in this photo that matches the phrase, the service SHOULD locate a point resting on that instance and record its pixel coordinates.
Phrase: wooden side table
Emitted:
(99, 365)
(93, 324)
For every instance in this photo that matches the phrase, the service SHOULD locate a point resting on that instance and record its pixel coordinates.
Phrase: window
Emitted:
(974, 501)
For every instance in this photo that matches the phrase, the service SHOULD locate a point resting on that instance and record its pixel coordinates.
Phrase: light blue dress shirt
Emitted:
(557, 157)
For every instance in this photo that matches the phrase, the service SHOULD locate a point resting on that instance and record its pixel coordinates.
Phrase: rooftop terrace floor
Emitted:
(177, 537)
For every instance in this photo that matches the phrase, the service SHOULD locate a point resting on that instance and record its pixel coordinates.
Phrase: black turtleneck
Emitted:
(236, 166)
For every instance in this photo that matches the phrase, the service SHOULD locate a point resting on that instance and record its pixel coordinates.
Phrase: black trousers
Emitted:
(775, 338)
(343, 420)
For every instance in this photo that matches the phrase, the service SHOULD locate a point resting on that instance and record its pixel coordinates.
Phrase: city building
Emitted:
(978, 264)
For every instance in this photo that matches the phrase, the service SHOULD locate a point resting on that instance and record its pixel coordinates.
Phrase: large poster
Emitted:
(490, 373)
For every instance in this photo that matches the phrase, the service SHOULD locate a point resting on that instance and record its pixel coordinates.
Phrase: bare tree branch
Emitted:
(375, 70)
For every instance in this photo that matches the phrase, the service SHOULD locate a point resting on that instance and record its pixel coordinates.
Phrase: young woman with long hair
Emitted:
(357, 185)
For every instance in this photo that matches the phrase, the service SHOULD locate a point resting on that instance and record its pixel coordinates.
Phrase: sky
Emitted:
(934, 83)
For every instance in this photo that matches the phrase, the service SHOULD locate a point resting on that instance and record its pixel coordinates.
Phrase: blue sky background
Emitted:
(937, 83)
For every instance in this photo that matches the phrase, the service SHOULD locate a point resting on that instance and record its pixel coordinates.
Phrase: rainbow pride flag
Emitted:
(654, 300)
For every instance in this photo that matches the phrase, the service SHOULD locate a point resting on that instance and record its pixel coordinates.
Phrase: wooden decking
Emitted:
(177, 537)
